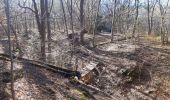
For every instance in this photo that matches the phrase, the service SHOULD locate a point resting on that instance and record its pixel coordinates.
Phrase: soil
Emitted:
(135, 70)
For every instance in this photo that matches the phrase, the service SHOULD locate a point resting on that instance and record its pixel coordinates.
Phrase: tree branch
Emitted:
(26, 7)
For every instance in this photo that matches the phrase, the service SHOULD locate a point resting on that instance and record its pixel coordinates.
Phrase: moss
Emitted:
(84, 98)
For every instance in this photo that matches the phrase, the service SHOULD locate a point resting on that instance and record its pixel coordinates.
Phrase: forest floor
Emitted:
(149, 79)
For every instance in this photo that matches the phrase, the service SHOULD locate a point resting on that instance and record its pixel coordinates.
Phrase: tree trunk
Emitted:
(113, 19)
(163, 11)
(136, 17)
(149, 25)
(64, 15)
(96, 16)
(152, 13)
(82, 21)
(42, 30)
(71, 14)
(48, 26)
(25, 18)
(7, 6)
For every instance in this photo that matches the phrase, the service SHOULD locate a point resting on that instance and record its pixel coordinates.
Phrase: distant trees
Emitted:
(163, 29)
(42, 18)
(121, 16)
(150, 11)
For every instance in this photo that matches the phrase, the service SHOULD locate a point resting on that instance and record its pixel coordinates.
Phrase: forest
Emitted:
(84, 50)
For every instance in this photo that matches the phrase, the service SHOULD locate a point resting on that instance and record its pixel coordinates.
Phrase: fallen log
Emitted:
(119, 39)
(62, 71)
(91, 90)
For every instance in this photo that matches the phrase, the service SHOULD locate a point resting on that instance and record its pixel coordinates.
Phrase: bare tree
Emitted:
(128, 15)
(96, 16)
(136, 17)
(82, 20)
(42, 31)
(40, 23)
(113, 19)
(7, 11)
(152, 13)
(163, 11)
(64, 15)
(48, 25)
(70, 9)
(149, 25)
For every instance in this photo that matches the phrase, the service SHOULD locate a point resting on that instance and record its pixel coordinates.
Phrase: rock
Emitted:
(150, 90)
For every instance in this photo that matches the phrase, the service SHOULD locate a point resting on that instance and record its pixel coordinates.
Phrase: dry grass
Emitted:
(152, 38)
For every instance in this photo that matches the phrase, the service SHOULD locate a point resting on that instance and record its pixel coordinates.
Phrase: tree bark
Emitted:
(96, 16)
(71, 14)
(48, 26)
(82, 21)
(136, 17)
(163, 11)
(64, 15)
(7, 11)
(149, 25)
(25, 18)
(42, 30)
(152, 13)
(113, 19)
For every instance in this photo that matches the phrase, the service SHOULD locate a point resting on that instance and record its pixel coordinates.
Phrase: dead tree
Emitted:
(7, 11)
